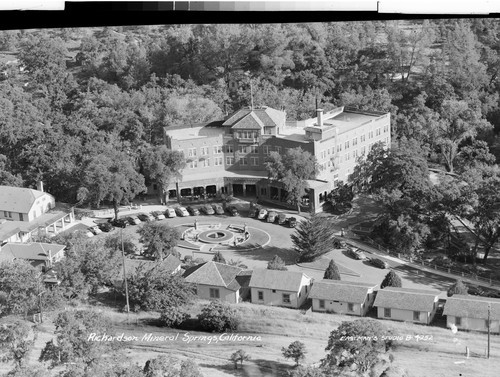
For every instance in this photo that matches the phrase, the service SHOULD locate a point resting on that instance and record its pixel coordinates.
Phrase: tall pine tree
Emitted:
(311, 238)
(332, 271)
(218, 257)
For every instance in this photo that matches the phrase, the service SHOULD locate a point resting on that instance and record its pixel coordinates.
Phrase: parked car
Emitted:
(262, 214)
(272, 216)
(145, 217)
(207, 209)
(158, 215)
(254, 211)
(193, 211)
(95, 230)
(105, 227)
(292, 222)
(356, 253)
(133, 220)
(281, 218)
(181, 212)
(119, 223)
(218, 209)
(169, 212)
(232, 210)
(379, 263)
(339, 244)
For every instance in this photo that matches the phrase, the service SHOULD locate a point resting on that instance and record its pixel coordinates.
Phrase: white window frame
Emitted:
(229, 160)
(192, 152)
(286, 298)
(218, 161)
(217, 149)
(254, 161)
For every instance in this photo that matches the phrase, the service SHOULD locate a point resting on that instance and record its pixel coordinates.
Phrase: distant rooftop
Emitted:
(261, 116)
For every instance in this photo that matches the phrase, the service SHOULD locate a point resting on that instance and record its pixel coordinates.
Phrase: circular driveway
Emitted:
(216, 236)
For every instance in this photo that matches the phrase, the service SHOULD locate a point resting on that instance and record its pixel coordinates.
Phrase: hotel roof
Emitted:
(406, 299)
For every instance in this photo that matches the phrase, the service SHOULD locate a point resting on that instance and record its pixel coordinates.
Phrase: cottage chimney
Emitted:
(319, 113)
(39, 186)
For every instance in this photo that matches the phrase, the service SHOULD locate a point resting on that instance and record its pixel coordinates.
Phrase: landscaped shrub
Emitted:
(391, 280)
(218, 316)
(174, 316)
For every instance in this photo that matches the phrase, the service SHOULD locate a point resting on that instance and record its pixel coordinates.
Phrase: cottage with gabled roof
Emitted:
(24, 212)
(37, 253)
(471, 313)
(23, 204)
(281, 288)
(404, 304)
(218, 281)
(343, 297)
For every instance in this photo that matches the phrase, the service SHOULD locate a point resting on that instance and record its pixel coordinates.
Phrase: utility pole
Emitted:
(125, 278)
(489, 325)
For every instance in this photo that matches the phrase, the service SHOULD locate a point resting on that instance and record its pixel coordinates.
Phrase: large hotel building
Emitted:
(227, 157)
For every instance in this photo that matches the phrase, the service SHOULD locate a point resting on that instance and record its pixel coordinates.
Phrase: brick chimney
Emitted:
(39, 186)
(319, 113)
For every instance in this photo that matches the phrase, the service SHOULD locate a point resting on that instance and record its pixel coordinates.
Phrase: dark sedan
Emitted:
(232, 210)
(193, 211)
(119, 223)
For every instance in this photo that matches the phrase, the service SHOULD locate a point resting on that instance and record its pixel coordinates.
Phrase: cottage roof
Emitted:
(31, 251)
(472, 307)
(274, 279)
(215, 274)
(406, 299)
(18, 199)
(170, 263)
(267, 116)
(337, 290)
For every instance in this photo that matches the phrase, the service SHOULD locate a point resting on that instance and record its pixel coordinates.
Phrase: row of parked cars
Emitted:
(272, 216)
(357, 254)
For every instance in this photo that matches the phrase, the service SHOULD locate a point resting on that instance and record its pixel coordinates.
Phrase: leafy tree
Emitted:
(459, 121)
(6, 177)
(156, 288)
(114, 242)
(219, 317)
(161, 165)
(458, 288)
(342, 196)
(16, 342)
(295, 351)
(88, 266)
(311, 238)
(332, 271)
(292, 169)
(174, 316)
(75, 331)
(218, 257)
(391, 280)
(111, 176)
(356, 346)
(158, 367)
(403, 233)
(409, 48)
(159, 239)
(20, 283)
(276, 264)
(239, 357)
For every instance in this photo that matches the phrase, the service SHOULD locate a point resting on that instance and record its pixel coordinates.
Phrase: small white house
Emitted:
(218, 281)
(471, 313)
(343, 297)
(404, 304)
(280, 288)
